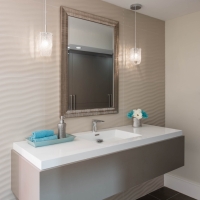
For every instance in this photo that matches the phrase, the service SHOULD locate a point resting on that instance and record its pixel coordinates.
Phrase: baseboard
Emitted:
(183, 186)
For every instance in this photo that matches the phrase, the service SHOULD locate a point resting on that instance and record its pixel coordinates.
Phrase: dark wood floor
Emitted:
(165, 194)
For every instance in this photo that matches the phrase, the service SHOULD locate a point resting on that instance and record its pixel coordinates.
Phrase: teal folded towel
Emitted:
(42, 134)
(54, 137)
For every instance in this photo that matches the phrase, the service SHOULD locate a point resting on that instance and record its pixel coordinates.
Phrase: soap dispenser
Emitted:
(62, 128)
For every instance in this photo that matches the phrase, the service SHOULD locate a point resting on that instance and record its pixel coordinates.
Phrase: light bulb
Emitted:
(136, 56)
(44, 44)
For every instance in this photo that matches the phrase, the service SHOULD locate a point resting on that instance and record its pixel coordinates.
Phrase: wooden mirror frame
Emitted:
(65, 13)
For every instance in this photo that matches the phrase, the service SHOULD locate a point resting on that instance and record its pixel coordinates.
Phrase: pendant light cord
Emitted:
(45, 16)
(135, 28)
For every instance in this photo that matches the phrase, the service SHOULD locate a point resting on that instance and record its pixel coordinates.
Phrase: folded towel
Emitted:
(42, 133)
(54, 137)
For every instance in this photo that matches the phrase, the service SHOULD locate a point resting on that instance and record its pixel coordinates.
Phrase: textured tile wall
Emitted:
(29, 84)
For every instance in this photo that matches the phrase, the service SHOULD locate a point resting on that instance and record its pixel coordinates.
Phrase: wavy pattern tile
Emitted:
(29, 84)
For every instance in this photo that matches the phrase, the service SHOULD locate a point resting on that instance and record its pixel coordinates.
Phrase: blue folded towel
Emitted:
(42, 134)
(54, 137)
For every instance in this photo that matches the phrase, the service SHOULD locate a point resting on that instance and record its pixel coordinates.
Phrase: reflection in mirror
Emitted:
(90, 65)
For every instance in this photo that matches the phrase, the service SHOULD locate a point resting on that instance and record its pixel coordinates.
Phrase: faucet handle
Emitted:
(97, 121)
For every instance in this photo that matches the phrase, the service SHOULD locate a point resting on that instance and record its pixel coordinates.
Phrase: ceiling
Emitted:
(161, 9)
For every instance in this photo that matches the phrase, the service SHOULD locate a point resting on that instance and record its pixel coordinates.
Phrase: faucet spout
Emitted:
(94, 124)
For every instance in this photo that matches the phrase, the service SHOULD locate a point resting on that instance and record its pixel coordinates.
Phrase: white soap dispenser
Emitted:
(62, 128)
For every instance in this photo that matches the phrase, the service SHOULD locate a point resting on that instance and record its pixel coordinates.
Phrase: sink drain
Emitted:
(99, 140)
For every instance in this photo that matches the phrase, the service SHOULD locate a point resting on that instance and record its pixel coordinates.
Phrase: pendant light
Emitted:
(135, 53)
(45, 37)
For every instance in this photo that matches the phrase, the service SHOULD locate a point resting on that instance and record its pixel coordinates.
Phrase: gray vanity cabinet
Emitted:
(90, 80)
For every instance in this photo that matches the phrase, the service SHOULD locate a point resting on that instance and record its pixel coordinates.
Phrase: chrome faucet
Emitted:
(94, 124)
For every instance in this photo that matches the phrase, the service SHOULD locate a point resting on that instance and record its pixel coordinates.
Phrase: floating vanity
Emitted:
(88, 170)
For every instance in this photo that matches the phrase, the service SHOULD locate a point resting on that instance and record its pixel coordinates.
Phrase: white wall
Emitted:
(183, 88)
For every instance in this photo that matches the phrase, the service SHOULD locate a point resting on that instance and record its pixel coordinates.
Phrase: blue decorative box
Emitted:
(69, 138)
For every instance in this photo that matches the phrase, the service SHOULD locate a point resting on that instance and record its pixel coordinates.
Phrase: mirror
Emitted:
(90, 64)
(89, 72)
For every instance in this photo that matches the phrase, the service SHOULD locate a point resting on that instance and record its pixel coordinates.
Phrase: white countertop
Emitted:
(78, 150)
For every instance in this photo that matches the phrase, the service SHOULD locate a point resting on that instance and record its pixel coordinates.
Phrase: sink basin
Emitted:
(108, 136)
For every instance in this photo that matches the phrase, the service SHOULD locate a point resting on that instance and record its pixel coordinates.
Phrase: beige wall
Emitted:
(182, 88)
(29, 84)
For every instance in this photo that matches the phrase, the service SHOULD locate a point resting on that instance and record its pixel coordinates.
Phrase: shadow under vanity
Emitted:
(84, 169)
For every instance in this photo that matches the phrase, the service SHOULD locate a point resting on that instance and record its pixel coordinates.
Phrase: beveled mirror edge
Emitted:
(64, 13)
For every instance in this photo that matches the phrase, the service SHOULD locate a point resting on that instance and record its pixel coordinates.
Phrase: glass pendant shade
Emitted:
(46, 44)
(135, 55)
